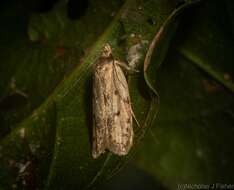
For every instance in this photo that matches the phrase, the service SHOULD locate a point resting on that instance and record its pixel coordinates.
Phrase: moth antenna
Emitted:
(133, 115)
(126, 67)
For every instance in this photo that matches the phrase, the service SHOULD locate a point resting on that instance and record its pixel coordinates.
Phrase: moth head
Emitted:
(106, 50)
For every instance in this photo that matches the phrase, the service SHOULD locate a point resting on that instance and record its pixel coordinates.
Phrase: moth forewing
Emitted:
(112, 110)
(100, 94)
(121, 132)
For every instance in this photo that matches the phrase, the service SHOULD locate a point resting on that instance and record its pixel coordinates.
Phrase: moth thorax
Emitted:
(106, 50)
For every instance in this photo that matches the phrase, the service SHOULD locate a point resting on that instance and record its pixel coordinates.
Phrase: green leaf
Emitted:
(46, 105)
(191, 141)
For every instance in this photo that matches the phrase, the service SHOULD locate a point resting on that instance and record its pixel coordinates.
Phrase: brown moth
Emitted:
(112, 119)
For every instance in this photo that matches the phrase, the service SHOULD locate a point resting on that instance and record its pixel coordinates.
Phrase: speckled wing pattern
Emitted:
(112, 110)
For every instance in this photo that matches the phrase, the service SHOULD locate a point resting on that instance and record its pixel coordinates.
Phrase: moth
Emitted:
(112, 111)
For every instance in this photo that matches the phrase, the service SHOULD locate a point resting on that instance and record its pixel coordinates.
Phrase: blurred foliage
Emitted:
(191, 139)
